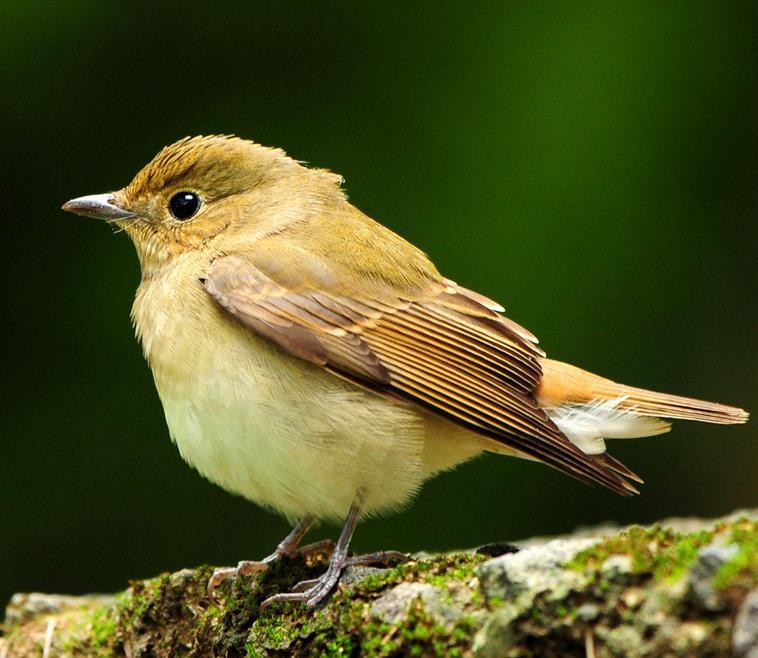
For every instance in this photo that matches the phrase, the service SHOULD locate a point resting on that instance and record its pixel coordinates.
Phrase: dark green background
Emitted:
(592, 166)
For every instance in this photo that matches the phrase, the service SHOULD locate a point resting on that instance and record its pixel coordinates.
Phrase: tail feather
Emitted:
(564, 384)
(588, 425)
(589, 409)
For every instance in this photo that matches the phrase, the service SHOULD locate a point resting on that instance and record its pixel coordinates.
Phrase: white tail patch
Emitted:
(588, 425)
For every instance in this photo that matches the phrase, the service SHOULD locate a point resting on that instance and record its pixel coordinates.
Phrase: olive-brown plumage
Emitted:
(315, 362)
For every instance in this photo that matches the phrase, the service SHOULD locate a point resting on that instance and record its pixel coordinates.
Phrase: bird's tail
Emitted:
(588, 408)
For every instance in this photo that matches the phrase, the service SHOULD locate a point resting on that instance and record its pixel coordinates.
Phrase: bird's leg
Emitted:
(321, 546)
(287, 547)
(312, 592)
(383, 558)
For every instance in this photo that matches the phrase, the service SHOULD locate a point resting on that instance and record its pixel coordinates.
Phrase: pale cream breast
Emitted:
(270, 427)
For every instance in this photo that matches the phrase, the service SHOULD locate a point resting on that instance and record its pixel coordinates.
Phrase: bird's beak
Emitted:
(99, 206)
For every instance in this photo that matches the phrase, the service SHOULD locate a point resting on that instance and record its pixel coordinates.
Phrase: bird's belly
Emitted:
(288, 435)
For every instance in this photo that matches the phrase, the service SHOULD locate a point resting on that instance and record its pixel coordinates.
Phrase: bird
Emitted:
(316, 363)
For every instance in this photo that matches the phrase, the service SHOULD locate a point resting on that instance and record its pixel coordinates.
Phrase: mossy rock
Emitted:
(671, 589)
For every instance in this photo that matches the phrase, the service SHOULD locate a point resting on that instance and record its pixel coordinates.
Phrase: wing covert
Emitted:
(446, 349)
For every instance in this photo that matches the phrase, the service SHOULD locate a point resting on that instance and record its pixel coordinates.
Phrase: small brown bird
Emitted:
(314, 362)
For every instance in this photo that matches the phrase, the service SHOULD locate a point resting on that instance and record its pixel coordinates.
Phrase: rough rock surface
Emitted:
(681, 588)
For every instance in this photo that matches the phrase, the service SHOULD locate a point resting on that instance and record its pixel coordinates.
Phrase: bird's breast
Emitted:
(260, 423)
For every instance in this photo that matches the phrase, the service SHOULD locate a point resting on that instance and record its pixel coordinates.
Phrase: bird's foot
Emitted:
(252, 567)
(380, 558)
(243, 568)
(313, 592)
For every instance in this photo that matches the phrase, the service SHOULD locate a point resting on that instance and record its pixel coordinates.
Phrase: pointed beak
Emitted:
(99, 206)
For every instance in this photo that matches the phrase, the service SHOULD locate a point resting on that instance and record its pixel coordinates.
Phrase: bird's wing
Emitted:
(444, 348)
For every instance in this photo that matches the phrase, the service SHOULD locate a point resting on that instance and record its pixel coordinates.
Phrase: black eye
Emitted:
(184, 205)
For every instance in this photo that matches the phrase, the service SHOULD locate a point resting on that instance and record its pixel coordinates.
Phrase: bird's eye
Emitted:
(184, 205)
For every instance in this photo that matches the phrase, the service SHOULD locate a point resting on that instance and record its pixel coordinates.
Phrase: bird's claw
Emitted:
(312, 592)
(252, 567)
(304, 585)
(383, 558)
(243, 568)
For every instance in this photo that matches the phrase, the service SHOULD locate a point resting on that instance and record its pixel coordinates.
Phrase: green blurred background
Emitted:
(592, 166)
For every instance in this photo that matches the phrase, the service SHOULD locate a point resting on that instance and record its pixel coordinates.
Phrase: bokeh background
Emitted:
(592, 166)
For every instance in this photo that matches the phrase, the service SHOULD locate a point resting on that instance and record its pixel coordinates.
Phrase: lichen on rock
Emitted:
(679, 588)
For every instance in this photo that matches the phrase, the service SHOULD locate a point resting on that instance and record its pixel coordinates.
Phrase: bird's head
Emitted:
(201, 188)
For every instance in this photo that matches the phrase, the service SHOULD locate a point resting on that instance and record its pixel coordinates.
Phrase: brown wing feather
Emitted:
(449, 351)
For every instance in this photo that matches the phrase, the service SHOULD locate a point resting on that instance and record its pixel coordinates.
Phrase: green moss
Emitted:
(281, 629)
(136, 602)
(418, 635)
(744, 565)
(667, 555)
(341, 646)
(103, 628)
(659, 552)
(171, 615)
(168, 613)
(93, 634)
(346, 626)
(439, 571)
(455, 567)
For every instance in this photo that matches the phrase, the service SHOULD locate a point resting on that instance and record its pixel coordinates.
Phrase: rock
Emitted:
(745, 634)
(497, 634)
(633, 598)
(394, 606)
(709, 561)
(622, 640)
(588, 612)
(617, 568)
(26, 607)
(631, 592)
(530, 571)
